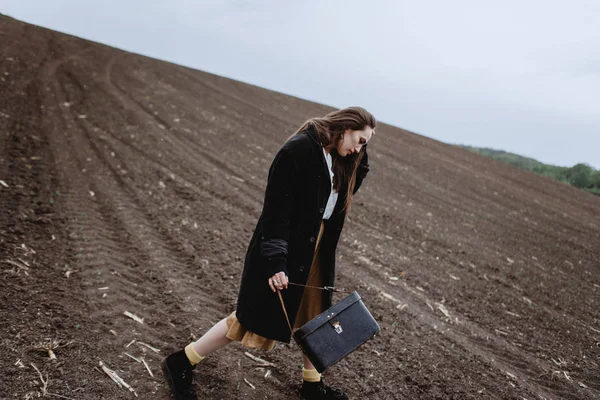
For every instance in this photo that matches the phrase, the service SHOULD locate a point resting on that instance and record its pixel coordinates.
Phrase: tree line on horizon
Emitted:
(581, 175)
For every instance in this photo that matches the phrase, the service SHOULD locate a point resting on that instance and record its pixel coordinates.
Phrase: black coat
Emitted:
(284, 239)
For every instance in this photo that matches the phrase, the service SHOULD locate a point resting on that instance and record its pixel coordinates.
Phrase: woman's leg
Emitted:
(212, 340)
(313, 386)
(307, 363)
(309, 372)
(178, 366)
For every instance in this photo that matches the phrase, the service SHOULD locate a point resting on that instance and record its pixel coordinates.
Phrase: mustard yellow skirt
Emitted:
(310, 306)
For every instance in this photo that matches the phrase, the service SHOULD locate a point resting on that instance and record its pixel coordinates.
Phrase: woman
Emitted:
(309, 191)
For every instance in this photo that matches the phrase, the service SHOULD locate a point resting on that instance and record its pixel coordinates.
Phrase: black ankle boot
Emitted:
(178, 373)
(320, 391)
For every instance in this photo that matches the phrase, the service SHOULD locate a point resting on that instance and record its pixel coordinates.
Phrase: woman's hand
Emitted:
(279, 281)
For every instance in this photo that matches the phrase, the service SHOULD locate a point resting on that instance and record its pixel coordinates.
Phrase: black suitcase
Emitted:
(336, 332)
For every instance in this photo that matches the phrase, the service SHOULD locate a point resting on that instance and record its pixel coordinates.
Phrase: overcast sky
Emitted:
(516, 75)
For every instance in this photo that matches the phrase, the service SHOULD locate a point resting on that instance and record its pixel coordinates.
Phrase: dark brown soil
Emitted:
(147, 178)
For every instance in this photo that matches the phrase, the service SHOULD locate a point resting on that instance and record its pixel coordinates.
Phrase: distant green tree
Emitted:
(551, 171)
(595, 179)
(579, 175)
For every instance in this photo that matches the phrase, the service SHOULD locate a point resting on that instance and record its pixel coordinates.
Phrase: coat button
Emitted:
(312, 239)
(321, 210)
(301, 268)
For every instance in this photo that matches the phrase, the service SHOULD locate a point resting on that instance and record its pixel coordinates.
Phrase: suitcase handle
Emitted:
(285, 311)
(328, 288)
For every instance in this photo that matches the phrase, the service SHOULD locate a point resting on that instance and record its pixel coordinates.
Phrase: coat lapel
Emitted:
(324, 179)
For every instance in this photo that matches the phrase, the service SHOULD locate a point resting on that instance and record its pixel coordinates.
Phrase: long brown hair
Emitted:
(330, 130)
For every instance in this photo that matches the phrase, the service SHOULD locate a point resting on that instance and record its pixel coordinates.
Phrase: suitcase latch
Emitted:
(336, 325)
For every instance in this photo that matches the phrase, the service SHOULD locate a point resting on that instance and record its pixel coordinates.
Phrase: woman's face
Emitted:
(353, 141)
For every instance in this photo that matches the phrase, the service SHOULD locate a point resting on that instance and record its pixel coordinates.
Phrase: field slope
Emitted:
(132, 184)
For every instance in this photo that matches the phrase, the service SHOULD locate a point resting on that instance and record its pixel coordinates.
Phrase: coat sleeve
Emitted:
(277, 212)
(362, 170)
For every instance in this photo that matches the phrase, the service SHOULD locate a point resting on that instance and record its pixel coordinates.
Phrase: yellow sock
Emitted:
(310, 375)
(191, 354)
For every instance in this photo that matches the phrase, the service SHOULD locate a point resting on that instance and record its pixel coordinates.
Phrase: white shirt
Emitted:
(333, 196)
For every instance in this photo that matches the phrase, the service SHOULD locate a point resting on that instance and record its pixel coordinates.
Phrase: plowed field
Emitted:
(133, 184)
